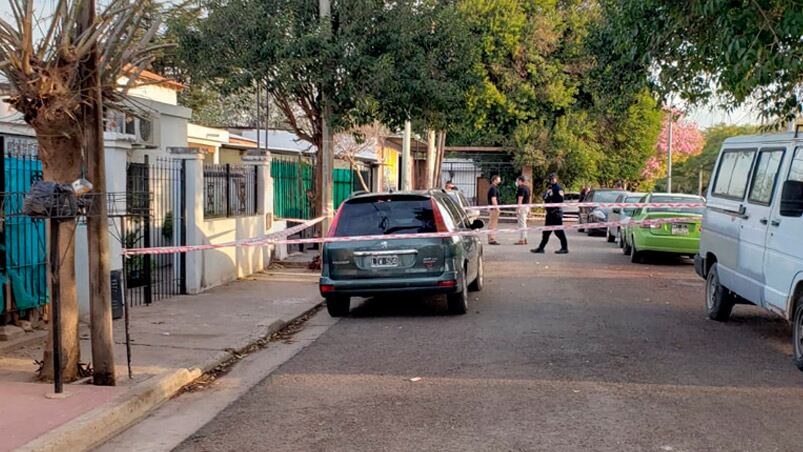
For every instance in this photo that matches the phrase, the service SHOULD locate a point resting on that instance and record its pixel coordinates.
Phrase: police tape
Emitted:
(252, 241)
(275, 238)
(602, 205)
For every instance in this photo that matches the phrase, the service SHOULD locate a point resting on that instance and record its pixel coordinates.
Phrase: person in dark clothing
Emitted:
(554, 216)
(493, 215)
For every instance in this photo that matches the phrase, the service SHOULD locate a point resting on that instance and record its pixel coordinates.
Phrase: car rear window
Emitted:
(605, 196)
(393, 215)
(680, 199)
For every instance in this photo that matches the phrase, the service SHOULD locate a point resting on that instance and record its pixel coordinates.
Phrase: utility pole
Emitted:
(97, 226)
(407, 164)
(432, 153)
(669, 152)
(327, 154)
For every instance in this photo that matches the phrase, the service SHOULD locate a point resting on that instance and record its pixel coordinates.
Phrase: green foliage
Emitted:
(736, 50)
(541, 96)
(685, 176)
(375, 61)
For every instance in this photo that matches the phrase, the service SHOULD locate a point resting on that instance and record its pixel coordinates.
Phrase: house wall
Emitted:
(158, 93)
(227, 264)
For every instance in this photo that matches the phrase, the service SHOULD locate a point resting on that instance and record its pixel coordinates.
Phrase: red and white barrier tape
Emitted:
(276, 238)
(254, 241)
(604, 205)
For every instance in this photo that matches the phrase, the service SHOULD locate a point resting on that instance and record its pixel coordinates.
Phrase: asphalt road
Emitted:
(579, 352)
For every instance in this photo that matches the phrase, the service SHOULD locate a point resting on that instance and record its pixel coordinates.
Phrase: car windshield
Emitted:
(680, 199)
(395, 215)
(628, 211)
(605, 196)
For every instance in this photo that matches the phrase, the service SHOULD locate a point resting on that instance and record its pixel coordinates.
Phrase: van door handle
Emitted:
(775, 222)
(763, 221)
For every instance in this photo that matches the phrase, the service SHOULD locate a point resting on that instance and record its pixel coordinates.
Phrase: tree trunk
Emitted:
(60, 157)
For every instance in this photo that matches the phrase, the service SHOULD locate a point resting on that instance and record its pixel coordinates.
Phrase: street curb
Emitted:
(107, 421)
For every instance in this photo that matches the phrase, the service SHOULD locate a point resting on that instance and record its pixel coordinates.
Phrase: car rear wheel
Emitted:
(636, 256)
(458, 302)
(338, 306)
(619, 239)
(479, 281)
(626, 248)
(718, 300)
(797, 334)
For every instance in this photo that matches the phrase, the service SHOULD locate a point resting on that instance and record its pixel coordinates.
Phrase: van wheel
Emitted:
(718, 301)
(611, 237)
(797, 334)
(479, 281)
(338, 306)
(458, 302)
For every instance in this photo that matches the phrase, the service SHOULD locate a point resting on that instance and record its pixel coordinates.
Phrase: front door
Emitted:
(754, 227)
(784, 246)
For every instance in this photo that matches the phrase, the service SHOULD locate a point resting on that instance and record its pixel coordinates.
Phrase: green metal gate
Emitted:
(292, 187)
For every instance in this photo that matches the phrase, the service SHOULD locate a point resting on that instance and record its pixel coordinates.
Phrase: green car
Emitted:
(681, 238)
(401, 265)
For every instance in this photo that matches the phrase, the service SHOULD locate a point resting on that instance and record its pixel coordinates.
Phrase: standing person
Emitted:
(522, 198)
(554, 216)
(493, 201)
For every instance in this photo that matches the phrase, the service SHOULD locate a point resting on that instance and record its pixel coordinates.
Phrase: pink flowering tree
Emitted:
(687, 141)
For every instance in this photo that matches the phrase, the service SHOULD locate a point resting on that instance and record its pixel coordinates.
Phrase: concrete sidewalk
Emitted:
(173, 342)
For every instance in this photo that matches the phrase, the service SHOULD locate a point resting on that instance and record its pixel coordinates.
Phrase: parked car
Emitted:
(458, 197)
(614, 233)
(751, 249)
(673, 238)
(571, 211)
(598, 214)
(451, 265)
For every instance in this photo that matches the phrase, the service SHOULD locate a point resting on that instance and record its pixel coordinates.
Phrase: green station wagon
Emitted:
(416, 265)
(681, 238)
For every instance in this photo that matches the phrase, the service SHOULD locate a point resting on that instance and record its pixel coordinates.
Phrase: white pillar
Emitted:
(194, 215)
(432, 152)
(264, 199)
(407, 164)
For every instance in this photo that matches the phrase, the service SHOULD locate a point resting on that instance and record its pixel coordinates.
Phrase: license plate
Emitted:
(384, 261)
(680, 229)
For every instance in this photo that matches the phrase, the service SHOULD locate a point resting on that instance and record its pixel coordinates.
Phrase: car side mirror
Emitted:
(792, 198)
(477, 224)
(617, 210)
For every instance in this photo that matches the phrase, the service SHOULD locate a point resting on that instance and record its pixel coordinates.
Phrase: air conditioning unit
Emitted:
(145, 131)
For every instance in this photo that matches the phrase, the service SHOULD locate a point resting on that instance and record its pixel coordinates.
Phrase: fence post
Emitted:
(228, 190)
(194, 213)
(264, 194)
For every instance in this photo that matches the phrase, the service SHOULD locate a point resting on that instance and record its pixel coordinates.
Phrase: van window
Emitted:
(734, 170)
(764, 176)
(796, 170)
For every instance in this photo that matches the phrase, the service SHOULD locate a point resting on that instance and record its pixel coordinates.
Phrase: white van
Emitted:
(751, 246)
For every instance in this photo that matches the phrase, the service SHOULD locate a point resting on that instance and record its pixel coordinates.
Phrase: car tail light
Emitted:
(333, 226)
(327, 289)
(440, 225)
(450, 283)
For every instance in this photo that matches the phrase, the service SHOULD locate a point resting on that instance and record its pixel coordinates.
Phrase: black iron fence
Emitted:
(472, 177)
(155, 218)
(230, 190)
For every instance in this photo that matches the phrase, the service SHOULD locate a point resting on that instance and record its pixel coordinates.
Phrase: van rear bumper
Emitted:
(699, 266)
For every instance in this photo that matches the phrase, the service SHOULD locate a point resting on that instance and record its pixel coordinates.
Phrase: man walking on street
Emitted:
(493, 200)
(522, 198)
(554, 216)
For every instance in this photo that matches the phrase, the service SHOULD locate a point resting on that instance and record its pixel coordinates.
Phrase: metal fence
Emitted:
(156, 207)
(292, 186)
(23, 241)
(472, 177)
(347, 182)
(230, 190)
